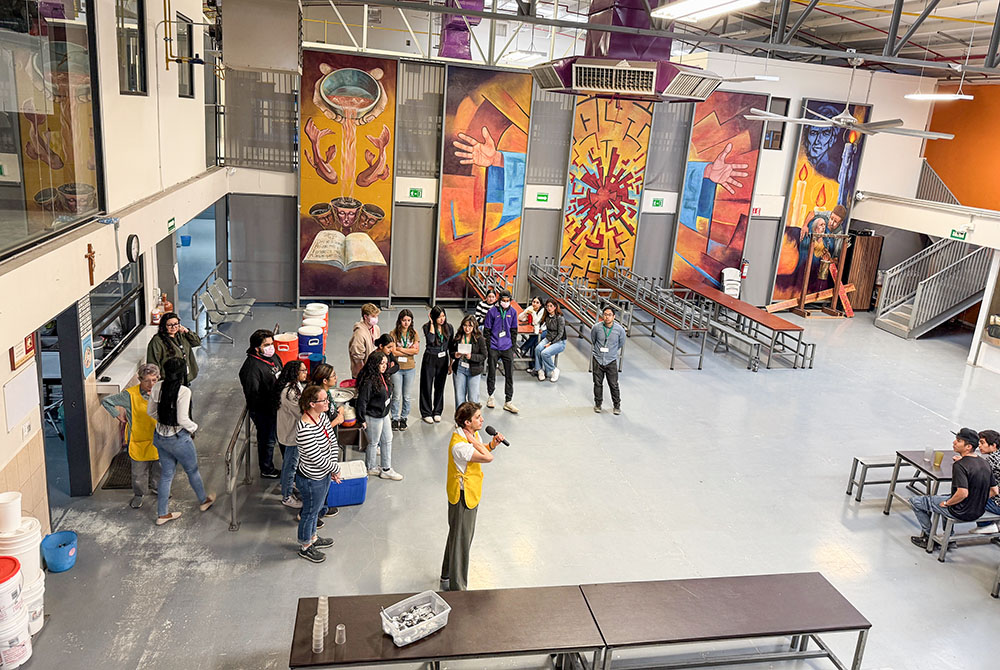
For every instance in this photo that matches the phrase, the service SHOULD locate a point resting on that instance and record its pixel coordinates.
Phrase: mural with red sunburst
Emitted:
(607, 166)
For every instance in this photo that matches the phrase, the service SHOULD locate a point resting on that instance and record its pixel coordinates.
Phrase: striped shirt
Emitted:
(481, 310)
(317, 443)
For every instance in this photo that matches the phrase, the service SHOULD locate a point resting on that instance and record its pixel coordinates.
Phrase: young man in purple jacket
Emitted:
(500, 330)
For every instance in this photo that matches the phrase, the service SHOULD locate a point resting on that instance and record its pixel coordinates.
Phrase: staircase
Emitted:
(931, 287)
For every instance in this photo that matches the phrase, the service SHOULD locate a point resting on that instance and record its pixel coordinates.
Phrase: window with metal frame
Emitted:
(774, 131)
(185, 50)
(130, 24)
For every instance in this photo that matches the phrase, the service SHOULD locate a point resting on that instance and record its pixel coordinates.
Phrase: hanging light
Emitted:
(690, 11)
(957, 95)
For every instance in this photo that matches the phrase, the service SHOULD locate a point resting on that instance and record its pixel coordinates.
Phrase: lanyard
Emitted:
(384, 384)
(403, 340)
(316, 423)
(607, 333)
(264, 360)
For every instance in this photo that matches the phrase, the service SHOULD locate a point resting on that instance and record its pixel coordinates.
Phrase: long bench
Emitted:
(589, 624)
(672, 308)
(947, 537)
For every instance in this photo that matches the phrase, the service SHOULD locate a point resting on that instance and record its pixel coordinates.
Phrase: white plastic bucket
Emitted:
(33, 597)
(23, 544)
(10, 511)
(11, 582)
(15, 642)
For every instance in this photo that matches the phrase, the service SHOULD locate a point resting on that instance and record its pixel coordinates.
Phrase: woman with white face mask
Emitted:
(362, 343)
(259, 378)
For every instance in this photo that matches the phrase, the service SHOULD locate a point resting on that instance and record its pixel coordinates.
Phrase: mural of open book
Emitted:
(332, 247)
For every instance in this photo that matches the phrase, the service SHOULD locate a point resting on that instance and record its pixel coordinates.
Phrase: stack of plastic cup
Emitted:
(317, 635)
(323, 612)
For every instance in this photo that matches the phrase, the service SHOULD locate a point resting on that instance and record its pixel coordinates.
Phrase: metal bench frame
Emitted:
(947, 535)
(870, 462)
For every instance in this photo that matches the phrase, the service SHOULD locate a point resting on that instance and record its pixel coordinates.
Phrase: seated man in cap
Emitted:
(972, 484)
(989, 447)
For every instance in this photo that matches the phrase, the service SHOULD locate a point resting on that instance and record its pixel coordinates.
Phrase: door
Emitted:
(761, 252)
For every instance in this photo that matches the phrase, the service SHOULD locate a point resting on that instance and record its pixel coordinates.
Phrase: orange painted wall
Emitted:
(967, 164)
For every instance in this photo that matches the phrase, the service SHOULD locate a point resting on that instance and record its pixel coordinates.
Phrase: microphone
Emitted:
(491, 431)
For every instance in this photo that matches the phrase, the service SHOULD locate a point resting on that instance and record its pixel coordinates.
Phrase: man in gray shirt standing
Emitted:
(608, 339)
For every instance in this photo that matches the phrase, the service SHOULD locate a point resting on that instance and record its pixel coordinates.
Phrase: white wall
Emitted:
(891, 163)
(156, 140)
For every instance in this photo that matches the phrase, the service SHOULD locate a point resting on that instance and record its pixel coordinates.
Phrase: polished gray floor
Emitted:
(712, 472)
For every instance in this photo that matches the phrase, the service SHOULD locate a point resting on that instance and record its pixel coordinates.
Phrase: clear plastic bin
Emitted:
(405, 636)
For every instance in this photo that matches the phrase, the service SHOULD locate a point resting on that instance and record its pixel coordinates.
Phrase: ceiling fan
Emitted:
(847, 121)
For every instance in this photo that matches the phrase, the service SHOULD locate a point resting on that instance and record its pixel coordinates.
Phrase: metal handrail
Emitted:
(196, 307)
(950, 286)
(901, 281)
(931, 187)
(237, 453)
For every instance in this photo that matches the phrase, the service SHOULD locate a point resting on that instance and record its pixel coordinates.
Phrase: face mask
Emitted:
(268, 351)
(505, 305)
(372, 320)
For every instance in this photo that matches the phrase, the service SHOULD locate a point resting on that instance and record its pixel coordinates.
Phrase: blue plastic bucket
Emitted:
(185, 240)
(59, 550)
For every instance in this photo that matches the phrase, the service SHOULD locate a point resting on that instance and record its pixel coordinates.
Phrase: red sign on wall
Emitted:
(22, 353)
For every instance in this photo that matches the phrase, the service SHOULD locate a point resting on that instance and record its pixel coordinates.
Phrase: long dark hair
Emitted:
(437, 311)
(320, 373)
(174, 372)
(161, 329)
(288, 380)
(369, 373)
(460, 332)
(397, 332)
(545, 311)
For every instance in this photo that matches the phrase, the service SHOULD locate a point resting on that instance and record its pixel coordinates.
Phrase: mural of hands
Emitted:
(723, 173)
(481, 154)
(334, 114)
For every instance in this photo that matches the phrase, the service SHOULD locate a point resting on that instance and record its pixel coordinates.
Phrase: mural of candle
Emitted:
(798, 205)
(846, 167)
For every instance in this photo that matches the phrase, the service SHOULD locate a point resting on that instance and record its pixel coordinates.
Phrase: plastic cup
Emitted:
(938, 457)
(340, 637)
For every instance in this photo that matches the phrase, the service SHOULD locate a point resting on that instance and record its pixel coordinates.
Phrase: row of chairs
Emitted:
(221, 306)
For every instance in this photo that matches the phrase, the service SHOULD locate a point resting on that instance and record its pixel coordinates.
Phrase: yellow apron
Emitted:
(140, 443)
(472, 478)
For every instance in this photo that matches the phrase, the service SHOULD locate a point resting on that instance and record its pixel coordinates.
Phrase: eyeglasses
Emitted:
(320, 402)
(174, 324)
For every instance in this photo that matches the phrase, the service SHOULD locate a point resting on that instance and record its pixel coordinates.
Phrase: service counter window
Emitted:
(117, 309)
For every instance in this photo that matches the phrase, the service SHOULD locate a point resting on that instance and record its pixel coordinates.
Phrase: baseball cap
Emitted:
(968, 436)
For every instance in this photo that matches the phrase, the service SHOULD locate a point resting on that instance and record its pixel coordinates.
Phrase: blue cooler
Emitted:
(353, 489)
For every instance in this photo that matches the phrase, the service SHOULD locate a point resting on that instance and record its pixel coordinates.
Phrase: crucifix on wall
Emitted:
(91, 262)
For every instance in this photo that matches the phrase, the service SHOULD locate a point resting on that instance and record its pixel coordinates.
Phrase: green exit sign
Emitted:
(657, 202)
(542, 197)
(171, 224)
(958, 234)
(1, 170)
(416, 192)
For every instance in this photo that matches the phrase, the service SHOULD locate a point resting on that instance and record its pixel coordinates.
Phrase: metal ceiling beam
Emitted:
(778, 31)
(421, 7)
(787, 38)
(893, 32)
(991, 50)
(895, 48)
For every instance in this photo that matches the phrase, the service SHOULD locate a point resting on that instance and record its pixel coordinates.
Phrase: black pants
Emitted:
(433, 375)
(507, 358)
(611, 372)
(461, 528)
(267, 436)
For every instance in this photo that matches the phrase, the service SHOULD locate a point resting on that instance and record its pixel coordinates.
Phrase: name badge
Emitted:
(604, 350)
(400, 359)
(503, 333)
(442, 354)
(387, 401)
(464, 364)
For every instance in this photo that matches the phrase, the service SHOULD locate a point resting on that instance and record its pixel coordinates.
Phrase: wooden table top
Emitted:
(481, 623)
(762, 317)
(720, 608)
(941, 474)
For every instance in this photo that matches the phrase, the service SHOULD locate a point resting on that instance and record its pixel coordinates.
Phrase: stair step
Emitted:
(892, 327)
(902, 320)
(906, 309)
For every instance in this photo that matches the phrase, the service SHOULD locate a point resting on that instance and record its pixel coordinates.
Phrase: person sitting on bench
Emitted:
(989, 443)
(972, 483)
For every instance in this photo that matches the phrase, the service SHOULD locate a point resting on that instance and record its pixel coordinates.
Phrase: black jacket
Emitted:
(259, 377)
(434, 344)
(374, 396)
(476, 359)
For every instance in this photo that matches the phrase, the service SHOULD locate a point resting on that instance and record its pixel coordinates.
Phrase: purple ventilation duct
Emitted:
(456, 42)
(627, 13)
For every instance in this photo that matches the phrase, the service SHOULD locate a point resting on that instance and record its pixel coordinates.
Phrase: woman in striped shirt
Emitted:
(317, 445)
(484, 305)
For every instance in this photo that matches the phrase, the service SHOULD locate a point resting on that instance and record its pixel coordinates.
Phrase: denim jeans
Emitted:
(379, 430)
(173, 450)
(528, 346)
(313, 493)
(289, 461)
(402, 382)
(992, 507)
(466, 386)
(545, 359)
(922, 506)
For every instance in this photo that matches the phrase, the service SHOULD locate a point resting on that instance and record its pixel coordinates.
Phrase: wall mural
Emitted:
(718, 186)
(482, 174)
(607, 166)
(819, 199)
(348, 120)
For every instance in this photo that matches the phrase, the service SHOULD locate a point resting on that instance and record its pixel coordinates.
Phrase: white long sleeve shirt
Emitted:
(183, 411)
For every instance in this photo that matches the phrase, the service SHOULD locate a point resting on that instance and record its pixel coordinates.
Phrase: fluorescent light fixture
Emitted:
(942, 97)
(756, 77)
(690, 11)
(524, 57)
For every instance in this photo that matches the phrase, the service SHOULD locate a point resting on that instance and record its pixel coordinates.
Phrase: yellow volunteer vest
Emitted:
(472, 478)
(140, 443)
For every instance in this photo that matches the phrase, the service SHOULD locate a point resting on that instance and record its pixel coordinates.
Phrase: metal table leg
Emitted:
(859, 650)
(892, 484)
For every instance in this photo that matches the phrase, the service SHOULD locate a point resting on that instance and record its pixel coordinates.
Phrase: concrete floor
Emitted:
(707, 473)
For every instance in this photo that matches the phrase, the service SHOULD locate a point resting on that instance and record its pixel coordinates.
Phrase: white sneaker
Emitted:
(428, 419)
(437, 418)
(555, 375)
(986, 530)
(291, 502)
(509, 406)
(390, 474)
(541, 375)
(490, 403)
(374, 472)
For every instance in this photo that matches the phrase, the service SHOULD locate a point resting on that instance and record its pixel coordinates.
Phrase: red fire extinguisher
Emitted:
(744, 266)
